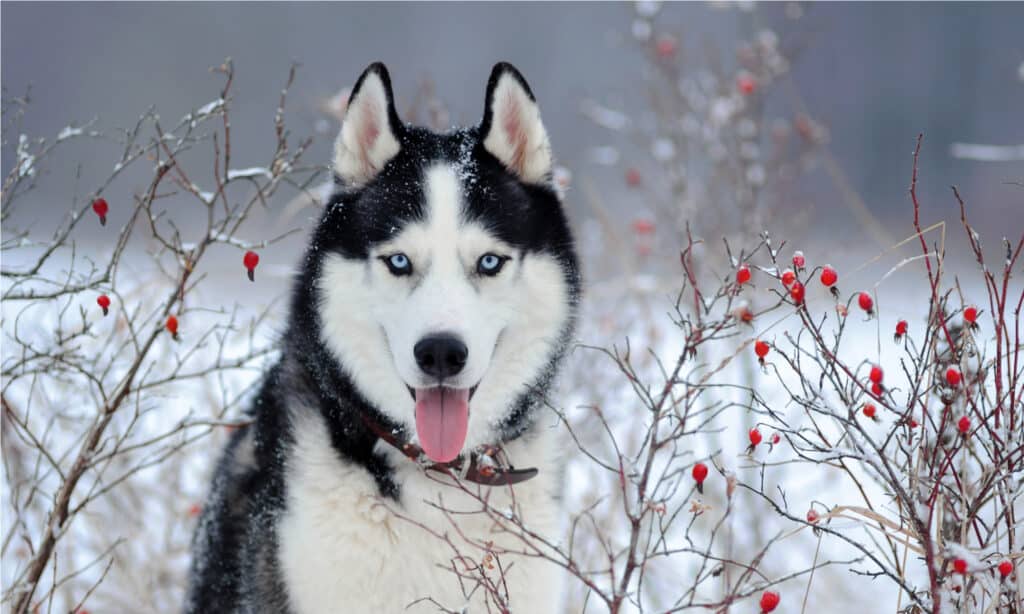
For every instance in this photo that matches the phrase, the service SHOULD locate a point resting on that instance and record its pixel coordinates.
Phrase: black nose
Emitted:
(441, 355)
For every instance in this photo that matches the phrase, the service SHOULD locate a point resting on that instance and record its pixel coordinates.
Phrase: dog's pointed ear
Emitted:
(369, 130)
(511, 129)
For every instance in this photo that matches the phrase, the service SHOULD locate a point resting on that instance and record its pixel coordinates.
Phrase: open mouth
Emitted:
(442, 420)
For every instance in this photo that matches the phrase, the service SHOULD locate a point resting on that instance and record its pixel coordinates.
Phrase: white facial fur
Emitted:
(511, 323)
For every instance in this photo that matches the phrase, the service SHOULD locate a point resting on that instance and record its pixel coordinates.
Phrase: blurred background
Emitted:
(873, 75)
(793, 118)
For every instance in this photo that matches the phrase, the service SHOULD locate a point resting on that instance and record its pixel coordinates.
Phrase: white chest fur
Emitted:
(345, 549)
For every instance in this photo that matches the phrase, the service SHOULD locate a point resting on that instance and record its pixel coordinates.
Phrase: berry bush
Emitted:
(748, 427)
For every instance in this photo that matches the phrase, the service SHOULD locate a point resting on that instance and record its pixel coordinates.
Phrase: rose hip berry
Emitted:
(1005, 569)
(799, 262)
(829, 277)
(755, 439)
(643, 226)
(746, 84)
(971, 317)
(788, 277)
(743, 274)
(876, 374)
(953, 377)
(250, 260)
(901, 331)
(869, 410)
(797, 292)
(963, 425)
(172, 326)
(101, 208)
(960, 566)
(769, 601)
(744, 314)
(632, 178)
(666, 47)
(104, 302)
(761, 349)
(866, 303)
(700, 473)
(812, 516)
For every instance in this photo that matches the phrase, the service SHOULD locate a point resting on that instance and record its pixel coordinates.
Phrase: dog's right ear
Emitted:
(369, 130)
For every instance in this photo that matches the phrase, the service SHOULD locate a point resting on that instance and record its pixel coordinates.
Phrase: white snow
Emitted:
(254, 171)
(26, 160)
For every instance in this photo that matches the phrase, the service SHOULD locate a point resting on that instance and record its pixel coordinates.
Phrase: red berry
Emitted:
(746, 84)
(971, 314)
(869, 410)
(812, 516)
(788, 277)
(796, 292)
(755, 437)
(743, 274)
(913, 423)
(876, 389)
(953, 377)
(963, 425)
(798, 260)
(876, 374)
(700, 473)
(865, 301)
(960, 566)
(172, 326)
(761, 349)
(776, 438)
(643, 226)
(744, 314)
(901, 329)
(665, 47)
(828, 276)
(769, 601)
(104, 302)
(101, 208)
(250, 260)
(1005, 568)
(632, 178)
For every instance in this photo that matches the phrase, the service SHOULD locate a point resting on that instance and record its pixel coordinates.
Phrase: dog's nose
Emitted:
(441, 355)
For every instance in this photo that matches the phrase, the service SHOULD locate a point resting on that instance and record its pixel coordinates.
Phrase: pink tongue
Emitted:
(442, 418)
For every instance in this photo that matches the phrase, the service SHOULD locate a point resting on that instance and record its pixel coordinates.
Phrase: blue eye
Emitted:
(398, 264)
(490, 264)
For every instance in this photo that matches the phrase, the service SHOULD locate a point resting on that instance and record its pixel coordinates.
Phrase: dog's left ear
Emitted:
(511, 129)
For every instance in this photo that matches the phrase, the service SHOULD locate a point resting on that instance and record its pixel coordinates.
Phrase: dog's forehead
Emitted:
(447, 177)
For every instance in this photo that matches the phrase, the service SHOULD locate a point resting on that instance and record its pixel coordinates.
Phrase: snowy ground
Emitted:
(149, 520)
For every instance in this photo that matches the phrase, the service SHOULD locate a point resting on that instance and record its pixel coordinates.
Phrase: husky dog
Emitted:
(428, 318)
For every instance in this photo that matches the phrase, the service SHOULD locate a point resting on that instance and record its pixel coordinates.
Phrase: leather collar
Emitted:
(488, 465)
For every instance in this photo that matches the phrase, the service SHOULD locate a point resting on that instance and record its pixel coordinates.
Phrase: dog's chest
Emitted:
(343, 548)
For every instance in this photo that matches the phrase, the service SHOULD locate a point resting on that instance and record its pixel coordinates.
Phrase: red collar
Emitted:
(487, 464)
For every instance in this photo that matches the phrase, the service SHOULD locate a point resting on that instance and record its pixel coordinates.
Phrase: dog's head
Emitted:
(446, 283)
